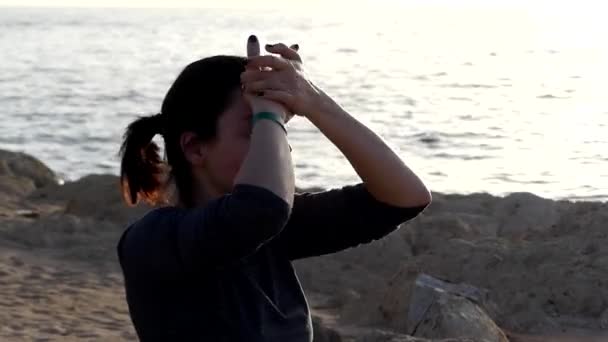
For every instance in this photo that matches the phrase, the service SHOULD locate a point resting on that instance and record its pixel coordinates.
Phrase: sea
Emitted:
(495, 100)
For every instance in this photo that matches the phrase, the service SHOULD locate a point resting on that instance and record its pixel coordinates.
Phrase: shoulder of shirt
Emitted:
(154, 218)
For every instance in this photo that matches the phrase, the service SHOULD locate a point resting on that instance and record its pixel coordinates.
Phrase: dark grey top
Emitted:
(223, 272)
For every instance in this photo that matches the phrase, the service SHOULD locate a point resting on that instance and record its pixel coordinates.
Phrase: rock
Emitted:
(455, 316)
(321, 333)
(58, 231)
(427, 291)
(27, 213)
(64, 236)
(346, 289)
(604, 319)
(429, 230)
(575, 218)
(15, 186)
(96, 196)
(381, 257)
(352, 279)
(477, 203)
(20, 174)
(513, 216)
(535, 284)
(360, 268)
(364, 334)
(520, 213)
(24, 166)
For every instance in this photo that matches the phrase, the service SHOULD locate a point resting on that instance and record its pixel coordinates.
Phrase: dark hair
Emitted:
(195, 101)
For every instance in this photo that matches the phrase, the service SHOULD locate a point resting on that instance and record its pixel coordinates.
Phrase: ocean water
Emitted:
(474, 100)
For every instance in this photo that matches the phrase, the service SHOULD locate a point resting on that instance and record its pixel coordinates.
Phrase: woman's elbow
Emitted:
(425, 198)
(272, 218)
(263, 209)
(420, 198)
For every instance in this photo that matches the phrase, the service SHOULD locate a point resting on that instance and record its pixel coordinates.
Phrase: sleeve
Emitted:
(230, 227)
(331, 221)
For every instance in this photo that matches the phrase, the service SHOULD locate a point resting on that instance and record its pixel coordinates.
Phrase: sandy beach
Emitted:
(46, 300)
(544, 263)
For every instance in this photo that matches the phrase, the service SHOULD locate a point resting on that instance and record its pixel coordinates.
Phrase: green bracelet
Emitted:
(269, 116)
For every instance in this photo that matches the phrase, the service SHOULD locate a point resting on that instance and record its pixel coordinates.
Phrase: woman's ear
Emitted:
(193, 148)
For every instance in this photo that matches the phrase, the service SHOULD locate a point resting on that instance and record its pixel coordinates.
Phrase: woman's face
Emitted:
(228, 150)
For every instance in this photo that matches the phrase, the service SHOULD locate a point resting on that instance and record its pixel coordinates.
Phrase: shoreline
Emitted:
(518, 187)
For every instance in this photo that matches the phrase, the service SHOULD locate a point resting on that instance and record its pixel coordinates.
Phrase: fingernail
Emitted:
(253, 39)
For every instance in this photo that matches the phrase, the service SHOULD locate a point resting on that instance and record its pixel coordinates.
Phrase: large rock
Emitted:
(545, 271)
(514, 216)
(522, 213)
(430, 230)
(64, 236)
(322, 333)
(24, 165)
(364, 334)
(13, 187)
(428, 290)
(96, 196)
(21, 174)
(555, 275)
(439, 309)
(477, 203)
(455, 316)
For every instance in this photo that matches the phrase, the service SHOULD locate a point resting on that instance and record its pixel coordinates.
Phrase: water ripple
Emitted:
(466, 157)
(71, 80)
(466, 86)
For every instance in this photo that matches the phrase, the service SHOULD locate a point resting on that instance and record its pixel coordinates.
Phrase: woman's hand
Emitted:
(256, 102)
(282, 79)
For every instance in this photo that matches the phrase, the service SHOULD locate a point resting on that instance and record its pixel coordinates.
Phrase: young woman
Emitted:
(214, 262)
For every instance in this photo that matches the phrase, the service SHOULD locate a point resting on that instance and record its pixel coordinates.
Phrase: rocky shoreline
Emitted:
(541, 265)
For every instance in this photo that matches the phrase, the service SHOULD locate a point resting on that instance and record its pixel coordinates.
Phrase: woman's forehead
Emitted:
(238, 108)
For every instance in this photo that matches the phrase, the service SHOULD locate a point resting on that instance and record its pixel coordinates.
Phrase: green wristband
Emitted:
(269, 116)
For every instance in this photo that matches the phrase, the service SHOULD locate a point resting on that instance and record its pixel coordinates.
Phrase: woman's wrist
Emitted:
(280, 113)
(274, 117)
(263, 105)
(324, 106)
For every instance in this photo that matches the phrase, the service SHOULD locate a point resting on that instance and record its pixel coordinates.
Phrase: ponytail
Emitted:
(142, 171)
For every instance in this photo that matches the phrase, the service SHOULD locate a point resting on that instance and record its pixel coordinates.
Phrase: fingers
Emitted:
(253, 46)
(278, 96)
(284, 51)
(254, 75)
(269, 61)
(262, 85)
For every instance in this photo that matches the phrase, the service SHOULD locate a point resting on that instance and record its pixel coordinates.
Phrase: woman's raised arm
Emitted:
(385, 175)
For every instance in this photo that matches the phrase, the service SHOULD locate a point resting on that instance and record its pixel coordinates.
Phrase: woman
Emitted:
(214, 264)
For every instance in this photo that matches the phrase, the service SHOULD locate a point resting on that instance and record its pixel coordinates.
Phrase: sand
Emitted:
(543, 262)
(44, 300)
